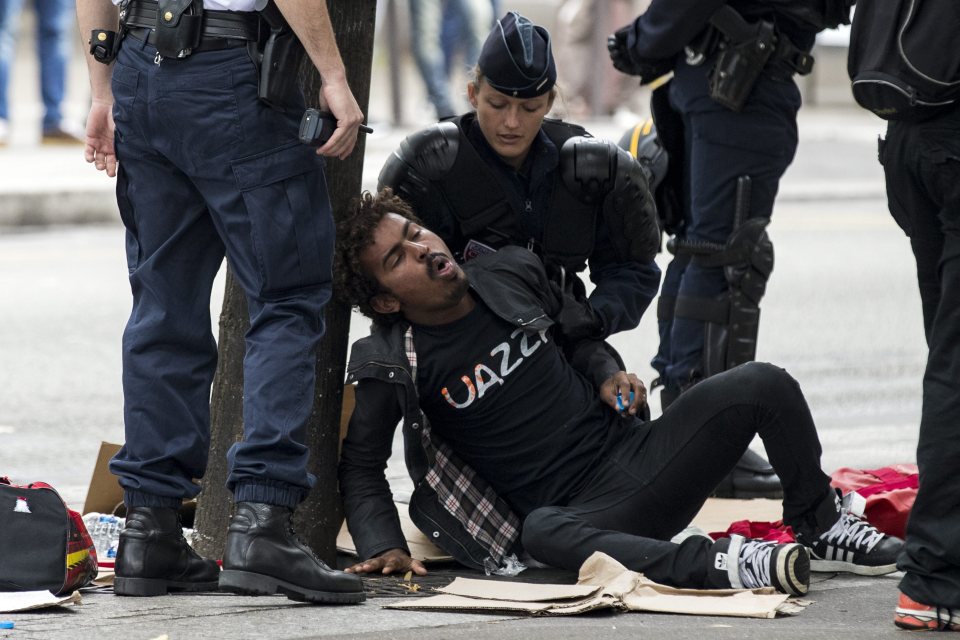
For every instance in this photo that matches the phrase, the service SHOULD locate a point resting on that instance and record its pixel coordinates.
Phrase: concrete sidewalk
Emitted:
(53, 185)
(843, 607)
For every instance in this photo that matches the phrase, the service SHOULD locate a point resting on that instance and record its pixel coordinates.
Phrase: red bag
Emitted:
(45, 545)
(889, 493)
(772, 531)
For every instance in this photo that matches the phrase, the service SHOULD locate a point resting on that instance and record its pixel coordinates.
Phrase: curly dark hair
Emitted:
(354, 234)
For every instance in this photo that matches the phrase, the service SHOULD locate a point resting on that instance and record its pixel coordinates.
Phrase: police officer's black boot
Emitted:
(264, 557)
(751, 477)
(153, 557)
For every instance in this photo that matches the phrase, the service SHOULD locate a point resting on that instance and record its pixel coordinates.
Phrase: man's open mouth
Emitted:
(440, 266)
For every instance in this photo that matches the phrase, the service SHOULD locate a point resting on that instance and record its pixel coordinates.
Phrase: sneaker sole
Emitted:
(793, 570)
(257, 584)
(834, 566)
(918, 620)
(148, 587)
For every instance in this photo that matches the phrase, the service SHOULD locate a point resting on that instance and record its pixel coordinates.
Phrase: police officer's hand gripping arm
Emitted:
(99, 14)
(310, 20)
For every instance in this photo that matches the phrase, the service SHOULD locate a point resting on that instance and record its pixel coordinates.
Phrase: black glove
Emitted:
(577, 320)
(649, 69)
(619, 54)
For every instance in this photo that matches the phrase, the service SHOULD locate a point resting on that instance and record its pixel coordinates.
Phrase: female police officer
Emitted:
(505, 174)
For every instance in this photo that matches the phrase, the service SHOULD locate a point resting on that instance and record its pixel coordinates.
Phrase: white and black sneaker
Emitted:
(852, 544)
(750, 564)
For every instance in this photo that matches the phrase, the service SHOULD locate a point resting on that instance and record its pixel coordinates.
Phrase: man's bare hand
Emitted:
(392, 561)
(624, 392)
(98, 147)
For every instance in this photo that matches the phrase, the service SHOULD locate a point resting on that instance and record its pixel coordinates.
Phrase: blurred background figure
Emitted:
(468, 22)
(55, 28)
(591, 87)
(456, 39)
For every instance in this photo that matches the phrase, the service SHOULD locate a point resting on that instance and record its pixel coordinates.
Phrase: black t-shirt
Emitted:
(510, 406)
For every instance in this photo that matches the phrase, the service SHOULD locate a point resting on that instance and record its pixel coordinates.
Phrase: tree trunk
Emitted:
(318, 518)
(215, 503)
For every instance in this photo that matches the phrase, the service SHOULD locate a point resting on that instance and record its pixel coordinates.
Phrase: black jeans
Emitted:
(922, 166)
(651, 487)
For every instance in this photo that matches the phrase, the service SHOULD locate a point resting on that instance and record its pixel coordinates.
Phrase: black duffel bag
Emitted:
(45, 546)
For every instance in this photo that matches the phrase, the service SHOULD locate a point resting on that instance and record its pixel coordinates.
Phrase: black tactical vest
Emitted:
(485, 214)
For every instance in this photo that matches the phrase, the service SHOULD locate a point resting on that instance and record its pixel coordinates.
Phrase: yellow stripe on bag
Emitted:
(75, 558)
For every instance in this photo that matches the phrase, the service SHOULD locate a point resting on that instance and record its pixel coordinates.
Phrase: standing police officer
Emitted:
(731, 108)
(204, 170)
(506, 175)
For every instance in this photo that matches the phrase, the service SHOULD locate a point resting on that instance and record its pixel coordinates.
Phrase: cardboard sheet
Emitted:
(521, 591)
(13, 601)
(717, 514)
(104, 493)
(603, 584)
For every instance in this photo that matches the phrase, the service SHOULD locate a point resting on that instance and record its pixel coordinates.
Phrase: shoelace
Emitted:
(945, 619)
(307, 547)
(853, 531)
(754, 566)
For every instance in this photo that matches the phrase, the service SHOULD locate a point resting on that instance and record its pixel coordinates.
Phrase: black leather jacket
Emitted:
(514, 285)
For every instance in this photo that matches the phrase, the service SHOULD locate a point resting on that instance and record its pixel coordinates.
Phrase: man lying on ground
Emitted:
(466, 358)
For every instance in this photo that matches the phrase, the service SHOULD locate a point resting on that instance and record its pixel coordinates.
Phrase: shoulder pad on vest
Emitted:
(630, 212)
(588, 167)
(558, 130)
(423, 156)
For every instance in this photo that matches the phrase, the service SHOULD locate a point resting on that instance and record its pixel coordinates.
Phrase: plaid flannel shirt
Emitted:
(465, 495)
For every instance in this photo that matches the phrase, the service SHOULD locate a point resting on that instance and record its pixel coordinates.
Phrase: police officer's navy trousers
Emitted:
(721, 145)
(206, 171)
(655, 482)
(922, 166)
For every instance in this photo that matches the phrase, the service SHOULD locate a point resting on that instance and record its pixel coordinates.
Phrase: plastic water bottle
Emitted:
(105, 531)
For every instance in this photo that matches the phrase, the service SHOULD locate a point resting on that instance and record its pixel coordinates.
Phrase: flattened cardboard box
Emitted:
(604, 583)
(104, 493)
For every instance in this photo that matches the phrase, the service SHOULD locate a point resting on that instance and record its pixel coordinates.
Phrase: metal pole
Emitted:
(598, 56)
(393, 46)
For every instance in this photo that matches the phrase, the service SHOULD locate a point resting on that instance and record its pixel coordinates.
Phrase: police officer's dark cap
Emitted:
(516, 58)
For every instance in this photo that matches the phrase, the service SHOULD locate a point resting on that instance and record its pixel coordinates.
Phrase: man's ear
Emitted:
(385, 303)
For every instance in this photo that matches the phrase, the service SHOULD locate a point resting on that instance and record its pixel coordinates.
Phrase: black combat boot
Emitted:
(153, 556)
(264, 557)
(751, 477)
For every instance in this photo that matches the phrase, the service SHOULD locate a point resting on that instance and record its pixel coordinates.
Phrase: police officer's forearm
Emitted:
(623, 293)
(97, 14)
(669, 25)
(310, 20)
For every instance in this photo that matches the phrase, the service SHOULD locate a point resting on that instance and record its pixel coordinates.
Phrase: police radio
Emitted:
(316, 127)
